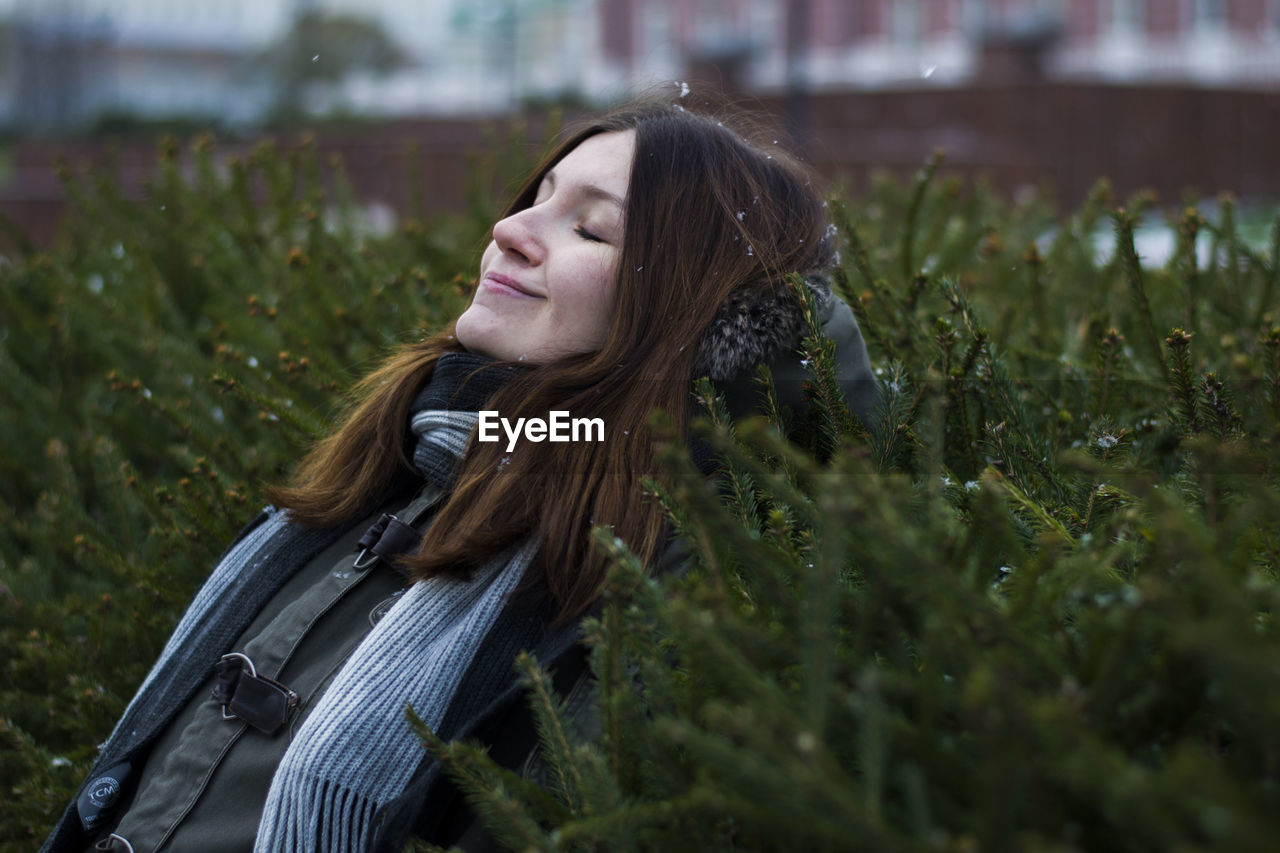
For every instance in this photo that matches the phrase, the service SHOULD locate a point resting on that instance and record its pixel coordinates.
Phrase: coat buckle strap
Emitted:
(393, 538)
(262, 702)
(393, 535)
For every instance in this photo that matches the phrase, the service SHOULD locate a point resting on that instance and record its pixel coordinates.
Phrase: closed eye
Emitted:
(587, 235)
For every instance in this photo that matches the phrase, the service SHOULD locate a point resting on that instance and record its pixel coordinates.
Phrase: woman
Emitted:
(410, 561)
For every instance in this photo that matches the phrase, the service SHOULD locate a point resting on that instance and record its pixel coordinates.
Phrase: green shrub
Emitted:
(1029, 608)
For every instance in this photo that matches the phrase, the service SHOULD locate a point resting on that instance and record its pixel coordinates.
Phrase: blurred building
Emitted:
(66, 62)
(1175, 96)
(759, 45)
(69, 60)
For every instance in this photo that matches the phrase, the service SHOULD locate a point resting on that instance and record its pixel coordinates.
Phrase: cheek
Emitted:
(597, 297)
(491, 252)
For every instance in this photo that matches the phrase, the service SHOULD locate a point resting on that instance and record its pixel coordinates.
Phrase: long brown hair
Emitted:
(709, 210)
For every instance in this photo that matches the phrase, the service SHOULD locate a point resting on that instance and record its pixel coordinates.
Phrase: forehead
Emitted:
(602, 161)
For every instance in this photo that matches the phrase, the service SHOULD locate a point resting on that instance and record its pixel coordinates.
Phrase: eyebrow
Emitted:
(590, 190)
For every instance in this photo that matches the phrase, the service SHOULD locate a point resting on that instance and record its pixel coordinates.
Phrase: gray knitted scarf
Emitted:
(355, 751)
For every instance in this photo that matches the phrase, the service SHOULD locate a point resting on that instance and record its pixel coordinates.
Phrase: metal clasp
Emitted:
(262, 702)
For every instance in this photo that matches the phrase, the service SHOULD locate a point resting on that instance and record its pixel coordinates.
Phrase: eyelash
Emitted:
(587, 235)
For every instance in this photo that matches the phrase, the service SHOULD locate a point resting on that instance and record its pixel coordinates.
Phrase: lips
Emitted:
(500, 283)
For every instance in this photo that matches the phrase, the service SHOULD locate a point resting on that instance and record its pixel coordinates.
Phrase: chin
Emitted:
(481, 347)
(478, 337)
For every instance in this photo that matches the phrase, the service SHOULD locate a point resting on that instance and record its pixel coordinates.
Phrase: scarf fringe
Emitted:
(334, 818)
(355, 751)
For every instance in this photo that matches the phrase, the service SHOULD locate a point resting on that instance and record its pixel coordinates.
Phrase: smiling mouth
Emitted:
(502, 284)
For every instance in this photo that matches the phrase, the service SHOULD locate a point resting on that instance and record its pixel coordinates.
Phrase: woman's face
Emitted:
(547, 279)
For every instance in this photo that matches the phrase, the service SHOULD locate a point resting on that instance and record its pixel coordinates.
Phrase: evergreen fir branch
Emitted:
(821, 592)
(941, 217)
(1132, 269)
(1107, 443)
(967, 436)
(671, 507)
(1025, 451)
(771, 408)
(152, 502)
(783, 533)
(1215, 400)
(1033, 508)
(878, 340)
(829, 420)
(869, 707)
(700, 516)
(657, 684)
(1046, 333)
(1231, 295)
(757, 573)
(1271, 277)
(328, 374)
(875, 287)
(912, 219)
(190, 429)
(250, 235)
(1110, 350)
(946, 337)
(692, 496)
(631, 824)
(754, 454)
(782, 472)
(606, 662)
(196, 522)
(1182, 386)
(744, 569)
(718, 652)
(857, 246)
(1271, 372)
(955, 412)
(273, 408)
(976, 348)
(789, 797)
(417, 845)
(1185, 258)
(780, 518)
(553, 739)
(895, 413)
(736, 484)
(1108, 440)
(509, 807)
(1248, 260)
(978, 336)
(618, 640)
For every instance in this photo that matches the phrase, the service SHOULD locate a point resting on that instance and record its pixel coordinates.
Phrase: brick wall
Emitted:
(1063, 136)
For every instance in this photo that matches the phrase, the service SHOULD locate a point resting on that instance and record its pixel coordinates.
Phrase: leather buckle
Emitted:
(388, 537)
(262, 702)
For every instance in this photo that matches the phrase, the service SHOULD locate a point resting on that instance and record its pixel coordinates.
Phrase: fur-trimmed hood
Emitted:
(753, 328)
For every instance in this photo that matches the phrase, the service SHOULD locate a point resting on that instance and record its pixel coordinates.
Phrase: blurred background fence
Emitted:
(1168, 95)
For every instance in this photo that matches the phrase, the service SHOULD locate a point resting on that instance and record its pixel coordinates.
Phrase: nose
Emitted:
(515, 235)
